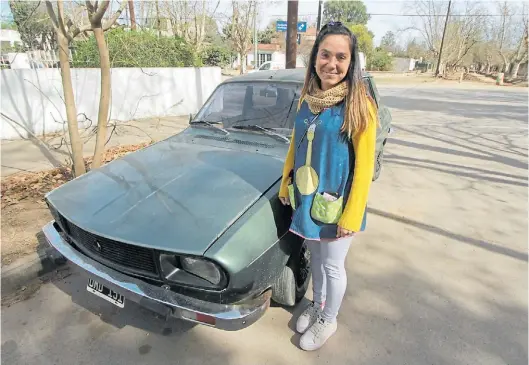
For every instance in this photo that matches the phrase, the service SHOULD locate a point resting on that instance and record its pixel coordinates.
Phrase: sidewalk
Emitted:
(29, 155)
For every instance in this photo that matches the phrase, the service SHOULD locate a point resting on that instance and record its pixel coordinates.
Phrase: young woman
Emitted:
(328, 172)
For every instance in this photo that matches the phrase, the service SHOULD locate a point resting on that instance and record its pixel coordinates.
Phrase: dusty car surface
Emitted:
(192, 226)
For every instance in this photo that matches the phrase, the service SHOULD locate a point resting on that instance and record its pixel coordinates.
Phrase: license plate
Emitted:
(106, 293)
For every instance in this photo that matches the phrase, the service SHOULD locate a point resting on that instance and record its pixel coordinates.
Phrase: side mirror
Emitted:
(190, 117)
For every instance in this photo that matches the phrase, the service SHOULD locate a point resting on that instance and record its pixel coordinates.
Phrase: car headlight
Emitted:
(192, 271)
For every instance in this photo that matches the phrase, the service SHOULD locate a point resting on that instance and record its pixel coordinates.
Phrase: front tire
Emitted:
(292, 284)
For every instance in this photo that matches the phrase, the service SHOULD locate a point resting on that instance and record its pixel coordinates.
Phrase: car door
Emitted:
(384, 114)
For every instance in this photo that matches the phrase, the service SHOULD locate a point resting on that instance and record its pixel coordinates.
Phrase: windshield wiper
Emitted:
(212, 124)
(266, 130)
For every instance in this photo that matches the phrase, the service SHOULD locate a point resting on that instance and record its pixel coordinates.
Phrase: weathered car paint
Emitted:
(170, 196)
(254, 251)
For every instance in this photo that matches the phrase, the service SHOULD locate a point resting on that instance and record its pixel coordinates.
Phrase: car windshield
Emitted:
(263, 104)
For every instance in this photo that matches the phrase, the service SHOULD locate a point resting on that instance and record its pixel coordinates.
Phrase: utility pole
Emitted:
(255, 62)
(292, 33)
(132, 15)
(320, 6)
(443, 40)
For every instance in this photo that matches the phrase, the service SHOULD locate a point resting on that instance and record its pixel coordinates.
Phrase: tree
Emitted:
(66, 31)
(416, 49)
(485, 56)
(239, 31)
(388, 42)
(192, 21)
(380, 60)
(365, 38)
(353, 12)
(511, 36)
(265, 36)
(216, 55)
(8, 24)
(463, 33)
(96, 11)
(33, 24)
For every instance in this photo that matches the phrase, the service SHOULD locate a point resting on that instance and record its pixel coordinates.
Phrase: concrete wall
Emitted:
(402, 64)
(34, 97)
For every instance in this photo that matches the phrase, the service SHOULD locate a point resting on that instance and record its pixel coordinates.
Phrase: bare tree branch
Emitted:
(114, 17)
(53, 16)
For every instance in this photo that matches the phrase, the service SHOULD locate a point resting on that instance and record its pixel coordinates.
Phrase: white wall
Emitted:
(34, 97)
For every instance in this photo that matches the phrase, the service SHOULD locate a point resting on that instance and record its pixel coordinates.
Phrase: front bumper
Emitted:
(230, 317)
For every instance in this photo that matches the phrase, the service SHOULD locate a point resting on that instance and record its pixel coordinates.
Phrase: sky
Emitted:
(379, 25)
(308, 11)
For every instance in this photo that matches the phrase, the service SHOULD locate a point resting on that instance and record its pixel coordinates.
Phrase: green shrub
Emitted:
(380, 60)
(137, 49)
(216, 55)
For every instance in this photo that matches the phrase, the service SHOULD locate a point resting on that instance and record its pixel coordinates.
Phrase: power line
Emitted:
(418, 15)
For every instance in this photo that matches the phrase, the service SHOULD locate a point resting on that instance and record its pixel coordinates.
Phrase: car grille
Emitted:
(138, 259)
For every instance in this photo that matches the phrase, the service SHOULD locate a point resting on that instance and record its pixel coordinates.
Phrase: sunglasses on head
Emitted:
(333, 24)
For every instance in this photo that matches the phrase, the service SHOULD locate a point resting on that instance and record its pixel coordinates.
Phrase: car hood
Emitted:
(171, 196)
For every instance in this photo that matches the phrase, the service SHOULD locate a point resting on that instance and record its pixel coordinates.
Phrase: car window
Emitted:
(269, 105)
(266, 66)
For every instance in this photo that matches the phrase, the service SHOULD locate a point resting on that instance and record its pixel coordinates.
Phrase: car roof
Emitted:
(296, 75)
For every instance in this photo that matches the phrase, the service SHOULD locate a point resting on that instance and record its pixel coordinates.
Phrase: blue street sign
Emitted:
(281, 26)
(302, 27)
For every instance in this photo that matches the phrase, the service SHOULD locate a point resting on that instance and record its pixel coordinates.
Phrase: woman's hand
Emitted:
(284, 201)
(342, 233)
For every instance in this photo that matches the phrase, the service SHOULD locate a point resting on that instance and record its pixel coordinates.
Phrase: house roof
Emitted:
(266, 47)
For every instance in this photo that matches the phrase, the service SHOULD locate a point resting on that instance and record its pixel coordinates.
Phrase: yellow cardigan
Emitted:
(364, 148)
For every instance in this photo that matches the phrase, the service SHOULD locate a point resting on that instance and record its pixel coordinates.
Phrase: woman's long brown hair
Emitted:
(357, 114)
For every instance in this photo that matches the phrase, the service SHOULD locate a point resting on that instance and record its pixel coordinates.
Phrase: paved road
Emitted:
(440, 276)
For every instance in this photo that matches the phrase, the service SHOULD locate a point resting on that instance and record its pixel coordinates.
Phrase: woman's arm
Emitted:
(364, 147)
(288, 166)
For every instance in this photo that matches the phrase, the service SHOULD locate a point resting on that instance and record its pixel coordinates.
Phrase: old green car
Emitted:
(192, 226)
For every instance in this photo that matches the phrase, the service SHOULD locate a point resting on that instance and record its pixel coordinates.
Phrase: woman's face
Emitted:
(333, 59)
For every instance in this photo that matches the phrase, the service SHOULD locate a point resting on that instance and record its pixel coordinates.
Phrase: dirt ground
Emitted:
(20, 224)
(24, 211)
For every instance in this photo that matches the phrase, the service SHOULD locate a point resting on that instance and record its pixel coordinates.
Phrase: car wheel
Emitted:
(378, 164)
(292, 284)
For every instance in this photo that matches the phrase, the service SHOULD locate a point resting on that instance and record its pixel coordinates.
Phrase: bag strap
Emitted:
(291, 174)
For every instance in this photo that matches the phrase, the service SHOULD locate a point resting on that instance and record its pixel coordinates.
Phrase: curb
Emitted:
(21, 272)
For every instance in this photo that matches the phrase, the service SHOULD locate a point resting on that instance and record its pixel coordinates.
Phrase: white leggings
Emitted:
(329, 280)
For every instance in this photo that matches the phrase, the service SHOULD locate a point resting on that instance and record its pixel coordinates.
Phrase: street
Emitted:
(439, 276)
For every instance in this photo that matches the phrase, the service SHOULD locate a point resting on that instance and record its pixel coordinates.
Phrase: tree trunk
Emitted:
(515, 69)
(104, 99)
(243, 62)
(132, 15)
(71, 110)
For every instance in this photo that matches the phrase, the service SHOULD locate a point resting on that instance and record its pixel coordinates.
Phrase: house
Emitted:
(9, 38)
(276, 51)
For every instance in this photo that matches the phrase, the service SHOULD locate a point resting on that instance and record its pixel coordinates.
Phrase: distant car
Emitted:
(192, 226)
(269, 66)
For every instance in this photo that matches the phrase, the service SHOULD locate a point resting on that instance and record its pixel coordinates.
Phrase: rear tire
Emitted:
(292, 284)
(378, 164)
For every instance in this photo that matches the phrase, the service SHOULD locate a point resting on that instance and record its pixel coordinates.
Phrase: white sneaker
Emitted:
(318, 334)
(308, 317)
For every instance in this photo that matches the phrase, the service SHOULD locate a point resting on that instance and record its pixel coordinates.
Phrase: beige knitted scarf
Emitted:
(318, 99)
